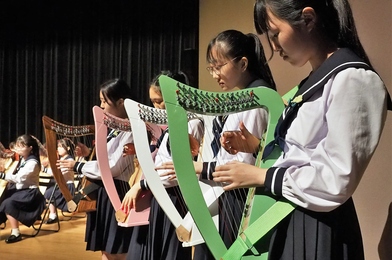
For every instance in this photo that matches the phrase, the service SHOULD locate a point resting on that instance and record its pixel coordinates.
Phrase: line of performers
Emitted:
(327, 142)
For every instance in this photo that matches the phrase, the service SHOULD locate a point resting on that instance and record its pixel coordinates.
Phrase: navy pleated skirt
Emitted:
(312, 235)
(308, 235)
(102, 230)
(158, 240)
(25, 205)
(231, 207)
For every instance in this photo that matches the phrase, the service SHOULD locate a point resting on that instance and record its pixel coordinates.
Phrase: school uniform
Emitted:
(102, 230)
(58, 197)
(158, 240)
(23, 200)
(327, 144)
(231, 203)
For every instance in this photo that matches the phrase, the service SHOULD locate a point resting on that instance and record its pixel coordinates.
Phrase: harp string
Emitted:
(153, 117)
(80, 146)
(229, 218)
(116, 125)
(79, 149)
(175, 95)
(116, 168)
(159, 117)
(9, 161)
(219, 105)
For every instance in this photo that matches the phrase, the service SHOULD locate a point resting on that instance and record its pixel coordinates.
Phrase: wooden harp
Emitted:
(9, 162)
(55, 131)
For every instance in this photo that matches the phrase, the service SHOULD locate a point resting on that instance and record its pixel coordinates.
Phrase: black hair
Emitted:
(29, 140)
(233, 44)
(335, 20)
(115, 89)
(179, 76)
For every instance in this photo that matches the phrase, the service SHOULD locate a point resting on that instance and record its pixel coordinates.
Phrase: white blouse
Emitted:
(121, 167)
(332, 140)
(27, 176)
(195, 129)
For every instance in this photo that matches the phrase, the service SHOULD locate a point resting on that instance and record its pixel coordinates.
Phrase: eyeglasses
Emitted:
(217, 68)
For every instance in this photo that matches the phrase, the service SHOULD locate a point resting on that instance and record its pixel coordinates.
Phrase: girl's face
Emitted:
(156, 98)
(111, 108)
(293, 44)
(227, 72)
(61, 150)
(23, 150)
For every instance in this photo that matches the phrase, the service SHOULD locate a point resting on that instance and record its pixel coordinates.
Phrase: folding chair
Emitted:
(45, 183)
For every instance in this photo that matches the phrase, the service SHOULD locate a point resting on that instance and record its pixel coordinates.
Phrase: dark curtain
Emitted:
(55, 54)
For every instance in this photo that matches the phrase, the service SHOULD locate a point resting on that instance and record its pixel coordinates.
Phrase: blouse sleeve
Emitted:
(331, 142)
(196, 129)
(121, 166)
(255, 121)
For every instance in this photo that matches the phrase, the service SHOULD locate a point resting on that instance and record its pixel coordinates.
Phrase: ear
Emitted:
(120, 102)
(309, 16)
(244, 63)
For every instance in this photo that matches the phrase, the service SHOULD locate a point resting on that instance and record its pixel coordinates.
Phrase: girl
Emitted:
(237, 61)
(158, 240)
(23, 201)
(65, 147)
(102, 230)
(328, 135)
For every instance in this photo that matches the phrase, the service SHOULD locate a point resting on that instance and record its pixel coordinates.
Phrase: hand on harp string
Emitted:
(240, 141)
(166, 169)
(231, 164)
(129, 149)
(131, 197)
(81, 150)
(239, 175)
(166, 192)
(65, 165)
(116, 165)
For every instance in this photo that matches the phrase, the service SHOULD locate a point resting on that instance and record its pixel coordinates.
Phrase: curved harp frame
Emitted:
(9, 164)
(103, 121)
(261, 213)
(52, 129)
(142, 118)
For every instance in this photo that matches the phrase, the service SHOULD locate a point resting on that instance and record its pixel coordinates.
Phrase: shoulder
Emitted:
(356, 86)
(357, 77)
(32, 159)
(258, 83)
(197, 121)
(70, 158)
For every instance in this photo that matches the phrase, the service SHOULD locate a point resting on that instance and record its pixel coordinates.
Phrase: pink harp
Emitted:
(104, 121)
